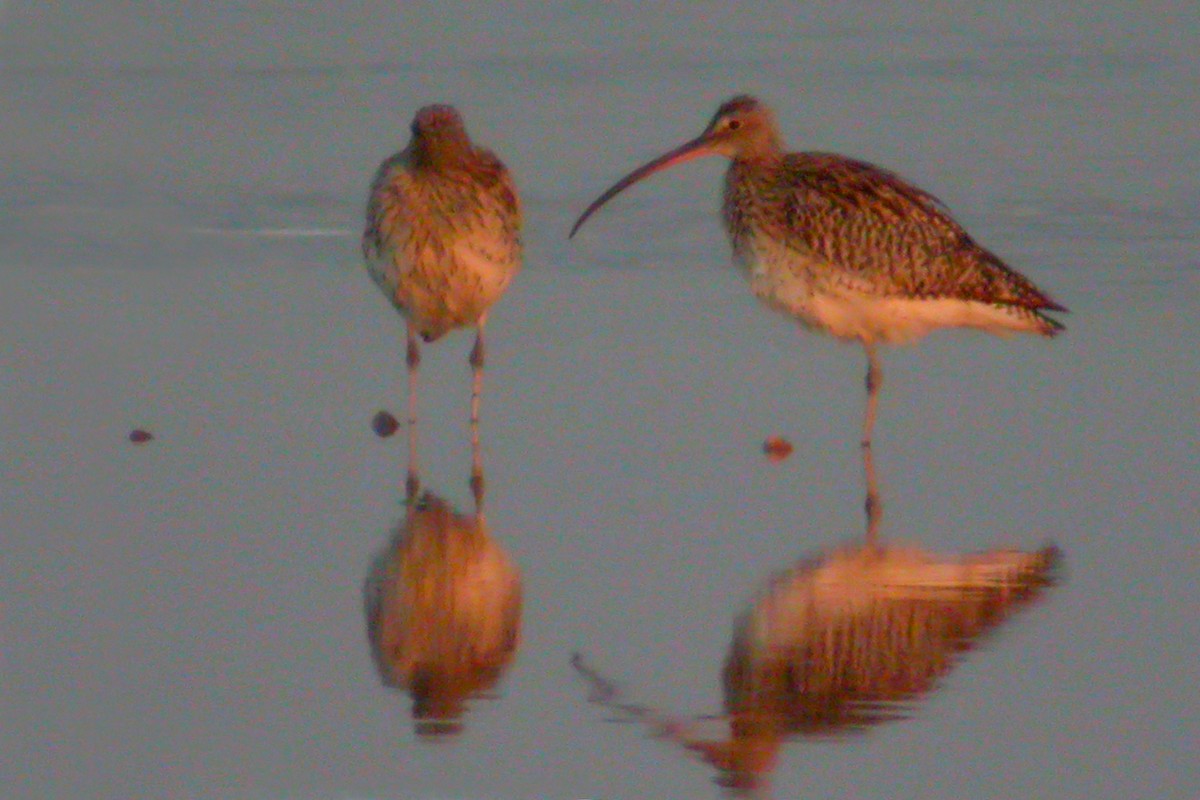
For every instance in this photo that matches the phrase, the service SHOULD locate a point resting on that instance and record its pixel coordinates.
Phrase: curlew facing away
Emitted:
(443, 237)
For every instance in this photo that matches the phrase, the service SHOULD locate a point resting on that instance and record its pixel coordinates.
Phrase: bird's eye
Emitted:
(734, 124)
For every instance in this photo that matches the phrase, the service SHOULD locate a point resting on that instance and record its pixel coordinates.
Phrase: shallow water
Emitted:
(178, 252)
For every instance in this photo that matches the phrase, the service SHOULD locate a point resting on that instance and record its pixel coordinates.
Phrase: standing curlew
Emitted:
(848, 248)
(443, 237)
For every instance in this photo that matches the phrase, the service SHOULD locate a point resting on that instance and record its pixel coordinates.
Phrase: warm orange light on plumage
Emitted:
(848, 248)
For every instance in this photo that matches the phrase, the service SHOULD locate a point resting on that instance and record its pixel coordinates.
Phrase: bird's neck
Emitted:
(441, 155)
(755, 165)
(763, 145)
(765, 152)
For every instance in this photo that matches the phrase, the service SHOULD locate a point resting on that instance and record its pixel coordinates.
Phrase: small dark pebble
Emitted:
(139, 436)
(384, 425)
(777, 448)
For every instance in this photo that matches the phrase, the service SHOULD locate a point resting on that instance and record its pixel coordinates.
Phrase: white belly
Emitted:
(851, 311)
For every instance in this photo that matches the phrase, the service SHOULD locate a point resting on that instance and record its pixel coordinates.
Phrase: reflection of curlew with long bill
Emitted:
(840, 642)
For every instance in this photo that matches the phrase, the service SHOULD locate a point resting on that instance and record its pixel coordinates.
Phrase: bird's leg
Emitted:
(478, 357)
(477, 361)
(478, 488)
(874, 382)
(412, 483)
(874, 503)
(413, 360)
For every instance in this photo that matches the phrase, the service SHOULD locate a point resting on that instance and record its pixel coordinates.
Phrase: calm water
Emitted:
(178, 252)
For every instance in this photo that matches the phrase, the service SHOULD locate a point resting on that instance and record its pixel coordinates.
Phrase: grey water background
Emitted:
(180, 199)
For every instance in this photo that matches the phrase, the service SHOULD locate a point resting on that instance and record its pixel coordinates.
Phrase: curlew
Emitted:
(443, 238)
(848, 248)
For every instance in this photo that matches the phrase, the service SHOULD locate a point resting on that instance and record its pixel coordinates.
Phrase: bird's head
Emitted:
(438, 134)
(742, 129)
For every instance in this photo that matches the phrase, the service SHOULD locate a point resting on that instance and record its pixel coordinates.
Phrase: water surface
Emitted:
(178, 252)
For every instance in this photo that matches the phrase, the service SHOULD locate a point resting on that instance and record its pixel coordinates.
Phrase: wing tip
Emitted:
(1050, 326)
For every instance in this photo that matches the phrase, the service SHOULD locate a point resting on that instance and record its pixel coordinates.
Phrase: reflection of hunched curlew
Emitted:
(848, 248)
(443, 606)
(443, 236)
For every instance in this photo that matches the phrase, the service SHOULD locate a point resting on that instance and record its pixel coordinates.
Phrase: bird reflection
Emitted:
(840, 642)
(852, 638)
(443, 606)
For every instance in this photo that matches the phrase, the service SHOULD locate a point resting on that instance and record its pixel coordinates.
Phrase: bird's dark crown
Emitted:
(739, 104)
(436, 118)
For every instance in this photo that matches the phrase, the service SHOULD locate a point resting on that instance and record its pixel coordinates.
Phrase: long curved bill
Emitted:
(696, 148)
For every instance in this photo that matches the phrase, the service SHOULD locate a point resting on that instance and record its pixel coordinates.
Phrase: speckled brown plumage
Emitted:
(873, 226)
(443, 233)
(848, 248)
(443, 236)
(837, 224)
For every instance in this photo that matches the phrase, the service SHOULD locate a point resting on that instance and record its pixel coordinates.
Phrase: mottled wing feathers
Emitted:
(387, 210)
(443, 241)
(498, 209)
(881, 232)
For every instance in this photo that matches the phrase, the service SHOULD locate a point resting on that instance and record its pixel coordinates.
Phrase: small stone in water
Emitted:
(777, 448)
(384, 425)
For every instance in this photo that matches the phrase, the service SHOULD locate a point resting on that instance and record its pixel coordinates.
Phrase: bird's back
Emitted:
(443, 242)
(819, 227)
